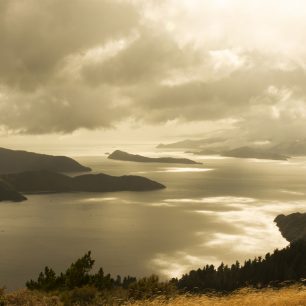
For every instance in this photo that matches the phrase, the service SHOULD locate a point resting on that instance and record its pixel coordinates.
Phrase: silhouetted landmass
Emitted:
(281, 266)
(51, 182)
(12, 161)
(248, 152)
(124, 156)
(7, 193)
(190, 143)
(293, 226)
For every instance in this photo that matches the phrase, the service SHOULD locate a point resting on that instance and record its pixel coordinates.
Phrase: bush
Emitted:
(149, 287)
(80, 296)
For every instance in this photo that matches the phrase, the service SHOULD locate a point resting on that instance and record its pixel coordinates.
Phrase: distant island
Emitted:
(124, 156)
(258, 153)
(51, 182)
(191, 143)
(292, 227)
(12, 161)
(7, 193)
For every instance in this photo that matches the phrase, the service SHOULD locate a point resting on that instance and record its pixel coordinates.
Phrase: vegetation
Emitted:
(282, 265)
(237, 284)
(290, 296)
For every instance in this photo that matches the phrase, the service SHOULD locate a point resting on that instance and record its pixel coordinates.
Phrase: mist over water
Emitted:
(222, 210)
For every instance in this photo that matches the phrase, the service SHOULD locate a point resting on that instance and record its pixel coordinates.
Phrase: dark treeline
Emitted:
(77, 276)
(283, 265)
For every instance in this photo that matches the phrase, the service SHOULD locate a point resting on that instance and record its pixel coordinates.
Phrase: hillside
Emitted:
(293, 226)
(248, 152)
(191, 143)
(124, 156)
(46, 181)
(12, 161)
(7, 193)
(291, 296)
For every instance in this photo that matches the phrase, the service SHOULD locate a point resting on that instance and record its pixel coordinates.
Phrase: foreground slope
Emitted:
(291, 296)
(124, 156)
(12, 161)
(45, 181)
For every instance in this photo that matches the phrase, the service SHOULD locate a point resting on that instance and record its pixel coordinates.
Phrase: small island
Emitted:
(124, 156)
(12, 161)
(292, 227)
(39, 182)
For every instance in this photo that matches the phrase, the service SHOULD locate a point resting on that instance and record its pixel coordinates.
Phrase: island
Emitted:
(38, 182)
(292, 227)
(192, 144)
(12, 161)
(257, 153)
(7, 193)
(124, 156)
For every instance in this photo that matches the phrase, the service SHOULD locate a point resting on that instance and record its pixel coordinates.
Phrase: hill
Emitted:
(191, 143)
(258, 153)
(293, 226)
(12, 161)
(124, 156)
(51, 182)
(7, 193)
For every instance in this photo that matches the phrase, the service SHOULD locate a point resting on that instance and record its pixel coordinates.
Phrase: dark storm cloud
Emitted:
(37, 35)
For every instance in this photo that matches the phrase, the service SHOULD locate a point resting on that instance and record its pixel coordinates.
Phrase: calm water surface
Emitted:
(222, 210)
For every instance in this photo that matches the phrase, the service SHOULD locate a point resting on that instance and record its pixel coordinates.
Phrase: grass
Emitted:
(291, 296)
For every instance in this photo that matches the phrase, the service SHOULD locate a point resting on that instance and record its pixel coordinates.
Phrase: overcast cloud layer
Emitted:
(92, 64)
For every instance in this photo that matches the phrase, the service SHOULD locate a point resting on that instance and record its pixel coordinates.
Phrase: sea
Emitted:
(219, 211)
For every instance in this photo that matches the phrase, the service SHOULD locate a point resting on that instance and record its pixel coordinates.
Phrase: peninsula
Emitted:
(50, 182)
(12, 161)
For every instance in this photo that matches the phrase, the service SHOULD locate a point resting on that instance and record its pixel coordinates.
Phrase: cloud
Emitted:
(67, 65)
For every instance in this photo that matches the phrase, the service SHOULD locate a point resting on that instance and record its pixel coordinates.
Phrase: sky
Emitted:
(112, 71)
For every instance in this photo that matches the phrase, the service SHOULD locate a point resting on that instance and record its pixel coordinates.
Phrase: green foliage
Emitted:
(46, 281)
(78, 273)
(78, 276)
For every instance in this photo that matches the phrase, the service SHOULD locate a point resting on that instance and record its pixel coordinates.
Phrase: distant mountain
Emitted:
(7, 193)
(51, 182)
(190, 144)
(292, 148)
(259, 153)
(292, 227)
(18, 161)
(124, 156)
